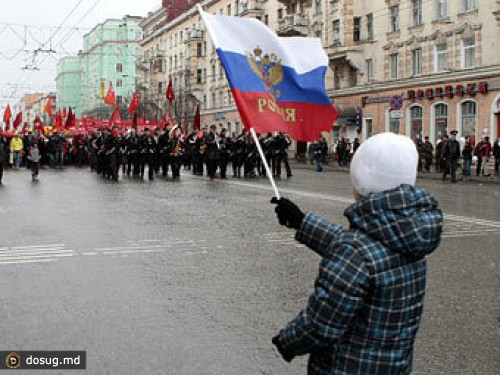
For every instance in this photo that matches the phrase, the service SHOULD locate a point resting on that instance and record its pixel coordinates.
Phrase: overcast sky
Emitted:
(26, 25)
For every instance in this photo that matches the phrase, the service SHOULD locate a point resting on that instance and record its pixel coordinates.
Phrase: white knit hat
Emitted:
(384, 162)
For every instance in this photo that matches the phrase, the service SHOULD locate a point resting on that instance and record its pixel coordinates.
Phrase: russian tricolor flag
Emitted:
(278, 83)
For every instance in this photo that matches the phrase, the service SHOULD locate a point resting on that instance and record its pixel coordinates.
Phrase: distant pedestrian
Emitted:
(318, 156)
(450, 154)
(467, 156)
(16, 148)
(483, 151)
(3, 156)
(365, 311)
(34, 160)
(427, 150)
(496, 154)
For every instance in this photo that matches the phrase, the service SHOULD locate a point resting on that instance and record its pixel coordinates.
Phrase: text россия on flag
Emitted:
(278, 83)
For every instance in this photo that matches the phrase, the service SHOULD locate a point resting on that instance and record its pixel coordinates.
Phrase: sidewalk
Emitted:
(430, 176)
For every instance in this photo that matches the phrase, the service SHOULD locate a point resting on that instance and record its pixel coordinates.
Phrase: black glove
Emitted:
(289, 213)
(286, 356)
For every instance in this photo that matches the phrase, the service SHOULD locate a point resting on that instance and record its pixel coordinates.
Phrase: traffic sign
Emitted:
(396, 102)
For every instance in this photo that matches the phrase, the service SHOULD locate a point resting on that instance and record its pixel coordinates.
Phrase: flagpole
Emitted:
(264, 162)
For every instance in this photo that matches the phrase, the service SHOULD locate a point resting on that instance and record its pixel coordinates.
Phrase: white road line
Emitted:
(38, 246)
(472, 220)
(131, 251)
(131, 247)
(89, 253)
(29, 261)
(36, 256)
(23, 253)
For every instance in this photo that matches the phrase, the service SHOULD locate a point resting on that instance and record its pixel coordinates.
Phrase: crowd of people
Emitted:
(110, 151)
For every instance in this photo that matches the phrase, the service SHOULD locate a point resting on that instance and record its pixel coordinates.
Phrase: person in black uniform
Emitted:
(268, 144)
(175, 152)
(112, 147)
(164, 152)
(211, 151)
(224, 152)
(238, 153)
(281, 154)
(133, 156)
(148, 153)
(199, 152)
(187, 155)
(450, 155)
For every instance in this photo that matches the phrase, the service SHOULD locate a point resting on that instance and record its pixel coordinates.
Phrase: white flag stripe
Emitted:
(242, 35)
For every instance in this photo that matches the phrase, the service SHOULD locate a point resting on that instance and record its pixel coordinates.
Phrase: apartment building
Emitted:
(438, 57)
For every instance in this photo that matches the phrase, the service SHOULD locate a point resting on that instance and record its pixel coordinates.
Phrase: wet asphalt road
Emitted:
(196, 276)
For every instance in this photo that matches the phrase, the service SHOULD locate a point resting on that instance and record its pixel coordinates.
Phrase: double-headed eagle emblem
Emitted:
(268, 68)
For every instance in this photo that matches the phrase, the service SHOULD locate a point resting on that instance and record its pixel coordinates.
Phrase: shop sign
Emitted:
(219, 116)
(396, 114)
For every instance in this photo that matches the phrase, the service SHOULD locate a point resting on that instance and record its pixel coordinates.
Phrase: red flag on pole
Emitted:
(70, 121)
(48, 107)
(197, 119)
(133, 104)
(64, 113)
(6, 116)
(38, 124)
(115, 117)
(170, 91)
(18, 120)
(168, 119)
(110, 98)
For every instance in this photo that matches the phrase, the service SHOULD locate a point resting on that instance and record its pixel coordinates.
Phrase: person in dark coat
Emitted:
(467, 156)
(211, 151)
(281, 152)
(224, 152)
(450, 154)
(3, 156)
(365, 311)
(496, 154)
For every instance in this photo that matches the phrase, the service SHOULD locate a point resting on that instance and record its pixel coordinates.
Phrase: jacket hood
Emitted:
(405, 219)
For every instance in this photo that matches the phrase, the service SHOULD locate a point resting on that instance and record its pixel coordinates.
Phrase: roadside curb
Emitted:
(424, 176)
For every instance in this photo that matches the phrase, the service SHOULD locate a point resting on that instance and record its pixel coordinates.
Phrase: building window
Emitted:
(119, 83)
(266, 19)
(336, 31)
(468, 5)
(119, 68)
(119, 35)
(468, 52)
(369, 70)
(353, 76)
(417, 62)
(119, 99)
(319, 6)
(336, 78)
(229, 97)
(469, 119)
(213, 100)
(416, 114)
(441, 9)
(394, 18)
(394, 66)
(160, 87)
(395, 125)
(221, 99)
(138, 35)
(417, 18)
(199, 76)
(369, 128)
(369, 26)
(204, 104)
(199, 49)
(280, 13)
(357, 29)
(440, 120)
(213, 73)
(221, 72)
(441, 53)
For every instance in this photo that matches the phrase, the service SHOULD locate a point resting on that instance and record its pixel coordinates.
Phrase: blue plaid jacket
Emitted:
(365, 311)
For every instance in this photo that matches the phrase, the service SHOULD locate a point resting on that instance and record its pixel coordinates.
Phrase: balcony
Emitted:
(293, 25)
(251, 8)
(142, 64)
(307, 4)
(352, 54)
(195, 35)
(159, 53)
